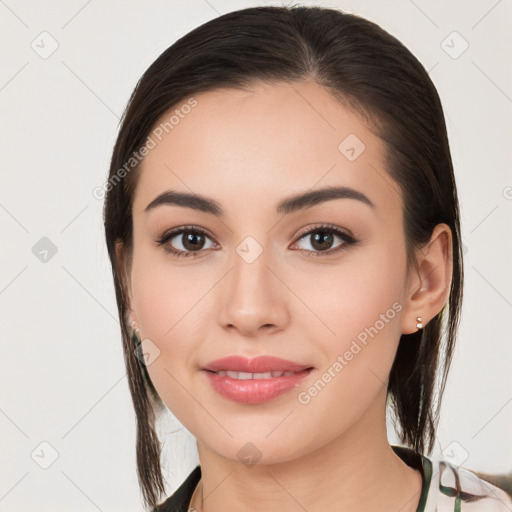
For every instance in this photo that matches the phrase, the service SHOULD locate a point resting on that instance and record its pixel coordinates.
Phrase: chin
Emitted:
(257, 448)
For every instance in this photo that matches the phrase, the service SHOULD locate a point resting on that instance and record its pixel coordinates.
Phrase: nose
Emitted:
(254, 299)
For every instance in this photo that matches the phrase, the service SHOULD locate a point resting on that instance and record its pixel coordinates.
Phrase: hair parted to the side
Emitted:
(366, 69)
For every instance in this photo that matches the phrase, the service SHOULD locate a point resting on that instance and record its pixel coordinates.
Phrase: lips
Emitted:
(260, 364)
(257, 380)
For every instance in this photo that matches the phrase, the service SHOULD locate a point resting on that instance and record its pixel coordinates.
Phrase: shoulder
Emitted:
(456, 488)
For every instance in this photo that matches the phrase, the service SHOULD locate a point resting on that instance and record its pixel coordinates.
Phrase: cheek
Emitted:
(165, 295)
(343, 300)
(358, 310)
(170, 306)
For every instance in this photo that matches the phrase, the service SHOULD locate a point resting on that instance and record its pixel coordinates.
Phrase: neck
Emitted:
(358, 471)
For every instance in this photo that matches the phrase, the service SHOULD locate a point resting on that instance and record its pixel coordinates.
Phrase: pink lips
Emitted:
(254, 390)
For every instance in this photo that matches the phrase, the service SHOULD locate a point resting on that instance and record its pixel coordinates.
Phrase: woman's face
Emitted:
(256, 283)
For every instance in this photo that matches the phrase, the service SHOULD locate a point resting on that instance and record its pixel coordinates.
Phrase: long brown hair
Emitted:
(366, 69)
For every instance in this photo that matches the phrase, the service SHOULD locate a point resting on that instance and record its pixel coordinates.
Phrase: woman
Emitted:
(283, 225)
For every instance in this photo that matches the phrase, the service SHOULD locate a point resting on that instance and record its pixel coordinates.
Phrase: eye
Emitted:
(321, 239)
(189, 240)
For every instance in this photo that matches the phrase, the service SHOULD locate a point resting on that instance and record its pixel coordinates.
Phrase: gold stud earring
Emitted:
(419, 325)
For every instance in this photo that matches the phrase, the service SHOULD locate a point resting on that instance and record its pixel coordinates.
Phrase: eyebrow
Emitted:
(287, 206)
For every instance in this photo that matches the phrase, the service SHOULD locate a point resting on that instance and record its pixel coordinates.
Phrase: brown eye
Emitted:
(322, 238)
(184, 241)
(192, 241)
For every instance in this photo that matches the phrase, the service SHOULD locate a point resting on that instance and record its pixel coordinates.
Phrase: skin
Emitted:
(248, 150)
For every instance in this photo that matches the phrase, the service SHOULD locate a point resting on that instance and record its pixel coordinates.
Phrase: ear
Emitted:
(429, 282)
(124, 275)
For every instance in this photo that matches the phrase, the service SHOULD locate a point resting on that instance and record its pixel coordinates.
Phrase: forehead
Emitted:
(271, 140)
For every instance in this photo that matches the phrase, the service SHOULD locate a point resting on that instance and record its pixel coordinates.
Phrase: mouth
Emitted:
(255, 388)
(255, 376)
(259, 366)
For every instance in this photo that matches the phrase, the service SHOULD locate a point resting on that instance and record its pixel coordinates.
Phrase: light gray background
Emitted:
(62, 377)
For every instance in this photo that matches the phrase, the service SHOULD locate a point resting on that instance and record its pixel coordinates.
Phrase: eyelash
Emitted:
(323, 228)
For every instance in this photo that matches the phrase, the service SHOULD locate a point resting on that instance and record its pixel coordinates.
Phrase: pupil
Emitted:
(320, 238)
(192, 239)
